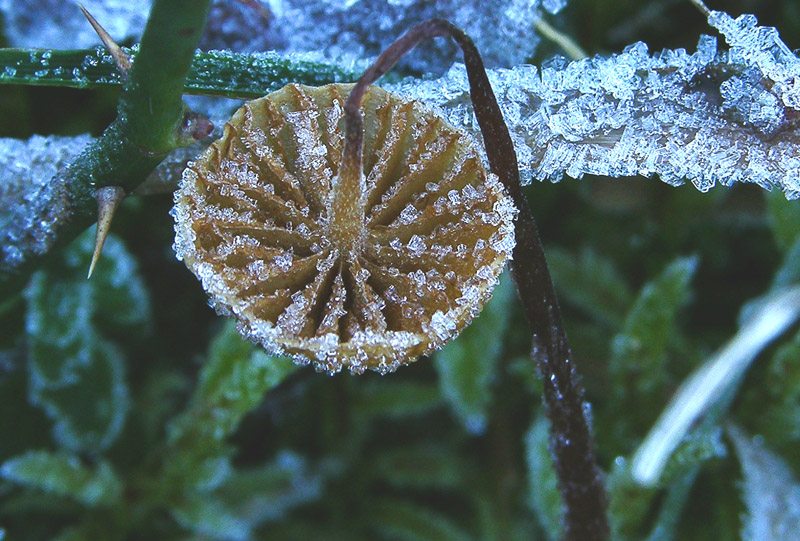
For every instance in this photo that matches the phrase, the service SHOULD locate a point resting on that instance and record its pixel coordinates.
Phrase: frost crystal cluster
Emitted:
(503, 30)
(362, 267)
(709, 117)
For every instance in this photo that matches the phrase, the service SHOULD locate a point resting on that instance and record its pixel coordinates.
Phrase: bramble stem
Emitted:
(571, 444)
(152, 121)
(214, 73)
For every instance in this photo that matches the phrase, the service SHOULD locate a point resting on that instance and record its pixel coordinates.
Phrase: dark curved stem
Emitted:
(571, 444)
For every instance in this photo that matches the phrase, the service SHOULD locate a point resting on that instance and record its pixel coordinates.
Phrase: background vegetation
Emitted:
(129, 410)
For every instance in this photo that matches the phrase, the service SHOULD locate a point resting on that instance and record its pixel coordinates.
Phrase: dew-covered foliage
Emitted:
(130, 410)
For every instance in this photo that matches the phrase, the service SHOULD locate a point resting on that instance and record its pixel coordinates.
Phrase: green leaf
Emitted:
(76, 373)
(770, 492)
(639, 362)
(204, 514)
(63, 474)
(421, 466)
(784, 218)
(237, 375)
(89, 411)
(639, 351)
(268, 493)
(398, 519)
(668, 519)
(468, 364)
(396, 399)
(780, 416)
(233, 381)
(699, 446)
(592, 283)
(543, 495)
(629, 503)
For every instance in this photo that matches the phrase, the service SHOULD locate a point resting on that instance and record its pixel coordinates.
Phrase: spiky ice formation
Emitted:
(254, 222)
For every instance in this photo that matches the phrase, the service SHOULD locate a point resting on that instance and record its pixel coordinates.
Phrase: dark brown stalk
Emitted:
(571, 445)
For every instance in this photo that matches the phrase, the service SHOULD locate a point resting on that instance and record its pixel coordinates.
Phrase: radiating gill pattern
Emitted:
(253, 223)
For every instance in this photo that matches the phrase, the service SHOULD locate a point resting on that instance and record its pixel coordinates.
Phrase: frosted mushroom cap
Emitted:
(253, 223)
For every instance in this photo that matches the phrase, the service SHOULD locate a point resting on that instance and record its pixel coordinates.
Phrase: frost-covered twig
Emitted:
(152, 121)
(709, 117)
(212, 73)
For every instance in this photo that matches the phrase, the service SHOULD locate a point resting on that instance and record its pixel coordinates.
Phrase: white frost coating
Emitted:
(61, 25)
(762, 46)
(32, 198)
(707, 117)
(503, 30)
(770, 491)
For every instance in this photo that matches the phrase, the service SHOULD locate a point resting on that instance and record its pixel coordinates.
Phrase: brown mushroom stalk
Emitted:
(571, 442)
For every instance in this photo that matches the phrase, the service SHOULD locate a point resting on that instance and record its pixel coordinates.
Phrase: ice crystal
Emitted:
(34, 198)
(710, 116)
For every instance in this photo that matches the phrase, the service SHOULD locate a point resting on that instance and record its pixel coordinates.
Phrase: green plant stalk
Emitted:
(152, 109)
(150, 123)
(214, 73)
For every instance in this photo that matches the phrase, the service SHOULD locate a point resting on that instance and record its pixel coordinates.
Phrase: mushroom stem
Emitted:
(571, 442)
(347, 201)
(347, 204)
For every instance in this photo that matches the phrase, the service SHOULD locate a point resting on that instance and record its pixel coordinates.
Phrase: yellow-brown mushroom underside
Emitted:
(252, 222)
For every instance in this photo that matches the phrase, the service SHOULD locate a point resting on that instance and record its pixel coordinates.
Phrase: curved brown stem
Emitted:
(571, 444)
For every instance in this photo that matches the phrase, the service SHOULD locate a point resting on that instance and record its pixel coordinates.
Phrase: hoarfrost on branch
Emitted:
(713, 116)
(710, 117)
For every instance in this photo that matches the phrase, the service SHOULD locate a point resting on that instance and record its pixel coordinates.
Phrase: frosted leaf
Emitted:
(709, 117)
(259, 221)
(33, 197)
(770, 491)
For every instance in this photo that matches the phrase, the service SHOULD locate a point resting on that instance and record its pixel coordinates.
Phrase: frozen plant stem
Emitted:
(571, 445)
(152, 121)
(567, 44)
(699, 4)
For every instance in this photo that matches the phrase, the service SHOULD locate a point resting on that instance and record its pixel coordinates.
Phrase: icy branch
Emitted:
(709, 117)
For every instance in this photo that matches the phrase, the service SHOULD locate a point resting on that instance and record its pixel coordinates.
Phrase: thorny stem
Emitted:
(152, 121)
(571, 445)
